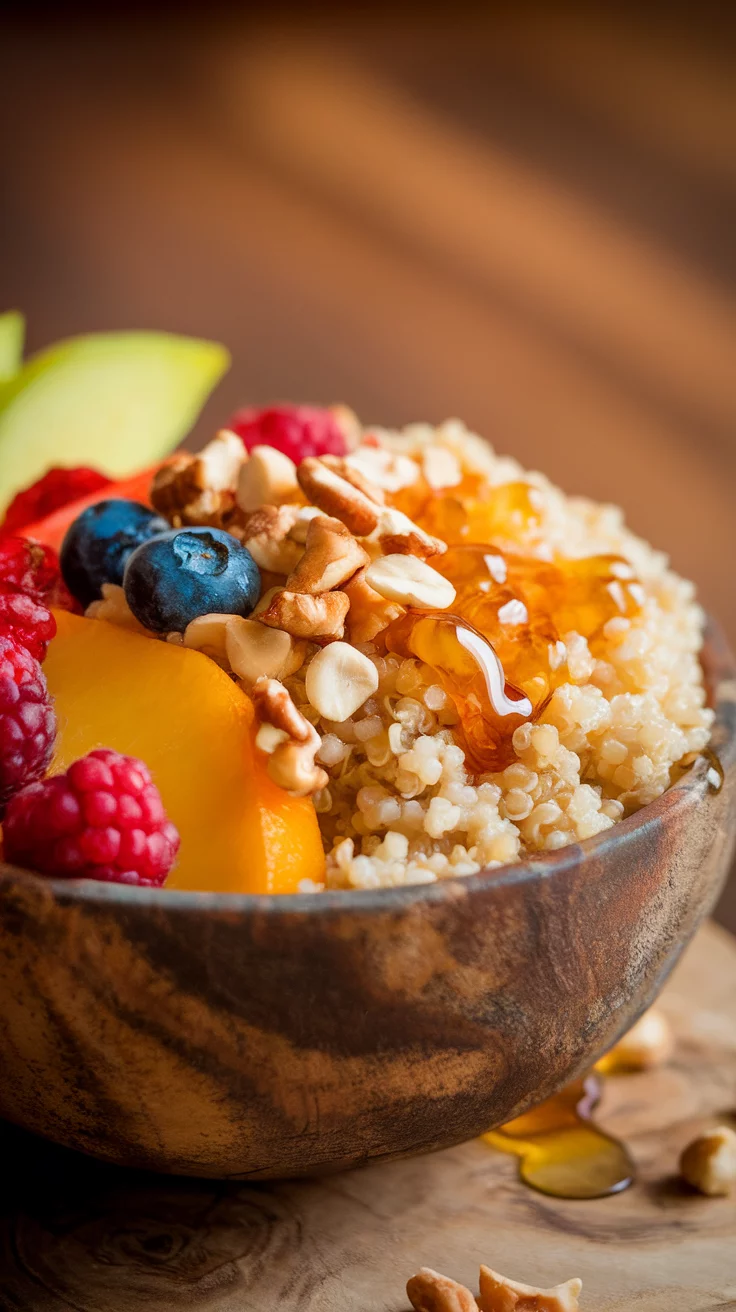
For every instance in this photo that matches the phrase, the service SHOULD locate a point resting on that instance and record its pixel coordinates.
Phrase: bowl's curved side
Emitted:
(204, 1038)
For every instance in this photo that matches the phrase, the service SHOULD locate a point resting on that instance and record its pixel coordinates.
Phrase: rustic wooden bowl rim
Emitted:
(720, 670)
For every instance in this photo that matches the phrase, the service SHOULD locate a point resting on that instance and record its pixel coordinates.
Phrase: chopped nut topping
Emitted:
(387, 470)
(305, 616)
(304, 518)
(345, 469)
(411, 582)
(267, 477)
(339, 680)
(499, 1294)
(709, 1162)
(369, 613)
(647, 1044)
(207, 633)
(252, 650)
(399, 535)
(200, 489)
(333, 494)
(291, 762)
(114, 608)
(428, 1291)
(331, 556)
(266, 535)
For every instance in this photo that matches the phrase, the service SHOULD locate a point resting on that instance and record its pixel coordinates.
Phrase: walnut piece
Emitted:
(304, 616)
(499, 1294)
(398, 535)
(369, 613)
(342, 466)
(331, 556)
(266, 535)
(200, 489)
(709, 1162)
(428, 1291)
(337, 497)
(291, 762)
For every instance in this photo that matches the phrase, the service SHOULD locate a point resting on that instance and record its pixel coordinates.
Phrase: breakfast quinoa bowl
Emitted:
(358, 791)
(449, 665)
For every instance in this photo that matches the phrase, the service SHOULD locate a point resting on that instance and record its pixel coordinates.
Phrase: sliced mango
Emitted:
(194, 728)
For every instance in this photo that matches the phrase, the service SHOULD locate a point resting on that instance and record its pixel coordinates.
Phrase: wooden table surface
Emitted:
(76, 1235)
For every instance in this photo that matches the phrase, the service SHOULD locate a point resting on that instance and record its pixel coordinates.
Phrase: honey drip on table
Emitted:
(499, 653)
(563, 1152)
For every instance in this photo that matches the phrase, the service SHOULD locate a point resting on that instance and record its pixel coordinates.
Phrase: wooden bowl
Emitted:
(252, 1036)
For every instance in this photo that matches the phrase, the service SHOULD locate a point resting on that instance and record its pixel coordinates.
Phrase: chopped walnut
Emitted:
(337, 497)
(266, 535)
(342, 466)
(399, 535)
(304, 616)
(369, 613)
(499, 1294)
(291, 762)
(428, 1291)
(388, 470)
(331, 556)
(200, 489)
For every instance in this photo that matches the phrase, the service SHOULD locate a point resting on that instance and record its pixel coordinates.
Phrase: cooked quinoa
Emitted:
(612, 717)
(401, 806)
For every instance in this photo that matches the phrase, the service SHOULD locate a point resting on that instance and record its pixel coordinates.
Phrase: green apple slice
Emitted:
(116, 401)
(12, 333)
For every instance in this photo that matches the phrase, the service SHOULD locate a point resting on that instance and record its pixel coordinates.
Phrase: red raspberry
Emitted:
(27, 719)
(297, 430)
(56, 489)
(27, 621)
(33, 568)
(103, 819)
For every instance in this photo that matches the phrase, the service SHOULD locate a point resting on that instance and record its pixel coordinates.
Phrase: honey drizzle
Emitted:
(563, 1152)
(489, 707)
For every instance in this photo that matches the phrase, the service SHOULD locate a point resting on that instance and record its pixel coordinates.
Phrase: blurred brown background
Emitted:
(523, 215)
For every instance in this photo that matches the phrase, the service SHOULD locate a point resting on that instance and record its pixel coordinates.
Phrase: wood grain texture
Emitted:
(267, 1037)
(78, 1235)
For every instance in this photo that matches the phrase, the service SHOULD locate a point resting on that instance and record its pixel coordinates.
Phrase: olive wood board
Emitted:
(75, 1234)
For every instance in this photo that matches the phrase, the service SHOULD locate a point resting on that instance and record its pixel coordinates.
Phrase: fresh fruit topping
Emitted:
(297, 430)
(195, 729)
(56, 489)
(31, 568)
(187, 572)
(103, 819)
(122, 400)
(12, 332)
(52, 529)
(27, 719)
(27, 621)
(96, 547)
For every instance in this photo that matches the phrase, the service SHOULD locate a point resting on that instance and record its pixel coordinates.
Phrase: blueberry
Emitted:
(187, 572)
(96, 547)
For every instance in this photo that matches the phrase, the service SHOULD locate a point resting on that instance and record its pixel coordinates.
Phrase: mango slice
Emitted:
(115, 401)
(194, 728)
